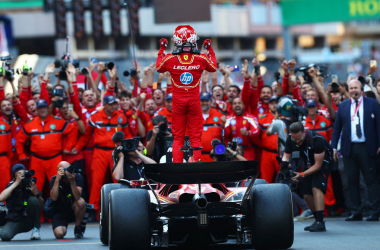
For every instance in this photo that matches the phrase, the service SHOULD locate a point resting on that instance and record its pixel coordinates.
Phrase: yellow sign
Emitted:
(186, 57)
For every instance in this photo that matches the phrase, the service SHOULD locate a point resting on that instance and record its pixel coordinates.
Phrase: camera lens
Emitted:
(129, 145)
(110, 65)
(220, 149)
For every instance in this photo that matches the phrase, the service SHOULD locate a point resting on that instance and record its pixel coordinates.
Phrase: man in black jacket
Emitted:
(24, 203)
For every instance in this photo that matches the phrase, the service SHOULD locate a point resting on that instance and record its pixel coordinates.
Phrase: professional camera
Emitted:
(25, 70)
(70, 169)
(163, 129)
(132, 72)
(63, 63)
(277, 76)
(305, 68)
(303, 71)
(6, 69)
(61, 99)
(84, 71)
(257, 70)
(286, 174)
(334, 87)
(109, 65)
(28, 178)
(220, 149)
(128, 145)
(298, 113)
(363, 80)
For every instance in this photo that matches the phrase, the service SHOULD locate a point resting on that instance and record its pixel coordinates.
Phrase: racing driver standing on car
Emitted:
(186, 65)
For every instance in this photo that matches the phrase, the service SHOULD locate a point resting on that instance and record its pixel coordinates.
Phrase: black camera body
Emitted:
(62, 65)
(28, 177)
(109, 65)
(6, 69)
(163, 129)
(334, 87)
(70, 169)
(131, 72)
(220, 149)
(298, 113)
(257, 70)
(130, 145)
(61, 99)
(277, 76)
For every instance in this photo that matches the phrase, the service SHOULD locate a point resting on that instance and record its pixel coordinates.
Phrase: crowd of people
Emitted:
(42, 129)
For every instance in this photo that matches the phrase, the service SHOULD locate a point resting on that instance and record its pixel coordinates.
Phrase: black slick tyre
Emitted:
(129, 219)
(272, 216)
(103, 225)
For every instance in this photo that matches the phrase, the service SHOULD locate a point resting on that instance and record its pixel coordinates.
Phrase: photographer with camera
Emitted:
(66, 191)
(312, 158)
(155, 145)
(45, 133)
(24, 203)
(129, 165)
(220, 152)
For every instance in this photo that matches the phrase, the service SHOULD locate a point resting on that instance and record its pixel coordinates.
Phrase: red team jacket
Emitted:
(186, 70)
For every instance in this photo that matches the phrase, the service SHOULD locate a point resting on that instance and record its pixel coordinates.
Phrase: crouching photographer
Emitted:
(68, 206)
(311, 154)
(24, 203)
(155, 138)
(129, 159)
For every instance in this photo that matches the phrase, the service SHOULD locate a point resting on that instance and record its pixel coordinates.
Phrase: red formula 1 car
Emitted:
(181, 212)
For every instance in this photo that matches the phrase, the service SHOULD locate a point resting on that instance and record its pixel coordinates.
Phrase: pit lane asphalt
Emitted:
(340, 235)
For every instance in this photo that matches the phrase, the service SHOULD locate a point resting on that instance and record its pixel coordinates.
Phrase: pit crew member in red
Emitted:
(244, 127)
(186, 65)
(45, 133)
(103, 124)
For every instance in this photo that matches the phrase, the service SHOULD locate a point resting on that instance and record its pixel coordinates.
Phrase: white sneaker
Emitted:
(307, 214)
(35, 234)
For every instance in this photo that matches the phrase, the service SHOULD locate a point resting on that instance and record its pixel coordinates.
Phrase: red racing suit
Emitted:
(232, 130)
(185, 71)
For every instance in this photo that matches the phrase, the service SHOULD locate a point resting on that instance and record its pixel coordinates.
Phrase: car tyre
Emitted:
(272, 216)
(103, 225)
(129, 219)
(260, 181)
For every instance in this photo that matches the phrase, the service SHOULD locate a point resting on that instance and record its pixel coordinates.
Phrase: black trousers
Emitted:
(360, 160)
(26, 224)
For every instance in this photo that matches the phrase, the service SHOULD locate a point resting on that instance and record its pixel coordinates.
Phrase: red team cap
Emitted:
(184, 34)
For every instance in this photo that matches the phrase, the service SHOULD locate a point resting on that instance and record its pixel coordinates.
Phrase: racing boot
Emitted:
(312, 225)
(318, 227)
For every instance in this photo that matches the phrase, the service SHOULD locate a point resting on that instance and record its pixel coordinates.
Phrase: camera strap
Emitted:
(309, 144)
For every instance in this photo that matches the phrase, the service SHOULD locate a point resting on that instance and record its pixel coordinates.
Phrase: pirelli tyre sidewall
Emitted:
(129, 219)
(103, 225)
(272, 216)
